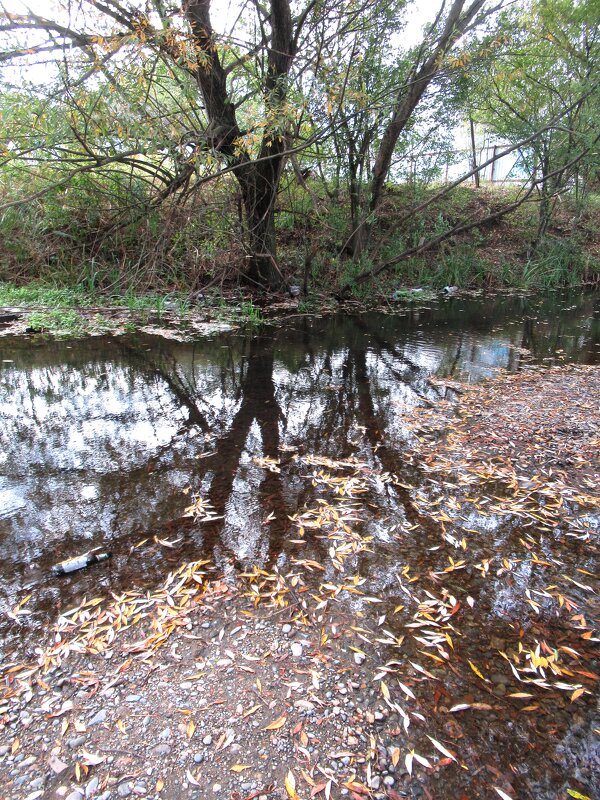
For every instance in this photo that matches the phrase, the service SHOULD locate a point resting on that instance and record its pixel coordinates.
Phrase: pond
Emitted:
(272, 432)
(104, 440)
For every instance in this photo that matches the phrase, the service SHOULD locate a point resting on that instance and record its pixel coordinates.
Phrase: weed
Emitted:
(251, 314)
(57, 321)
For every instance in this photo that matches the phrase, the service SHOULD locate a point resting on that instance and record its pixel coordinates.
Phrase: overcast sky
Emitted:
(223, 15)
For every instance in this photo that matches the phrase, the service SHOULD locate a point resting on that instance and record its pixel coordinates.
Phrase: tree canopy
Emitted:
(155, 104)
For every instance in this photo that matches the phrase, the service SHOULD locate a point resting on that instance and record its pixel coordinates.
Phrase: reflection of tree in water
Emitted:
(329, 387)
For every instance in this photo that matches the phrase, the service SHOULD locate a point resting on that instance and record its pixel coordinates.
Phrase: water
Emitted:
(101, 438)
(103, 443)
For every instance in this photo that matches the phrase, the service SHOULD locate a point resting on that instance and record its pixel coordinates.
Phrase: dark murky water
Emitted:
(99, 438)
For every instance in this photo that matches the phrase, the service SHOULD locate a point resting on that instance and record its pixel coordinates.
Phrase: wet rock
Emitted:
(124, 789)
(92, 787)
(75, 795)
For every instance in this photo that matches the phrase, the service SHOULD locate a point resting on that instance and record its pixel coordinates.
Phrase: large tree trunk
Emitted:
(259, 178)
(259, 184)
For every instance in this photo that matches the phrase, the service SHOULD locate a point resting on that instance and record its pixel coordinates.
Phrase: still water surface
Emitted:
(101, 438)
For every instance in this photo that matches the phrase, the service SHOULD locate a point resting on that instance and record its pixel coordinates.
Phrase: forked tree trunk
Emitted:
(258, 178)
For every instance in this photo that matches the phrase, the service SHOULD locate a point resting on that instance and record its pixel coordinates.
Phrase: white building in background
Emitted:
(508, 169)
(449, 164)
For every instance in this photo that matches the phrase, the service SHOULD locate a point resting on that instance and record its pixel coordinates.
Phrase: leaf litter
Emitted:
(491, 624)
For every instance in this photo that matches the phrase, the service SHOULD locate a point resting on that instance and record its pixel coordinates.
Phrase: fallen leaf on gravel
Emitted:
(191, 727)
(240, 767)
(290, 786)
(191, 778)
(159, 785)
(91, 759)
(279, 723)
(502, 794)
(440, 747)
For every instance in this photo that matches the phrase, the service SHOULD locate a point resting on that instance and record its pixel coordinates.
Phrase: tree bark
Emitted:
(258, 179)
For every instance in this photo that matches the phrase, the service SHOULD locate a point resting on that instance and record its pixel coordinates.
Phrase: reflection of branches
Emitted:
(176, 383)
(258, 403)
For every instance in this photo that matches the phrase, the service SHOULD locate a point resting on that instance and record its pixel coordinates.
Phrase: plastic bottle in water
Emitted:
(79, 562)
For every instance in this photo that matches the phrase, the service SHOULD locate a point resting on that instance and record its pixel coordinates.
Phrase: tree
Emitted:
(551, 74)
(103, 39)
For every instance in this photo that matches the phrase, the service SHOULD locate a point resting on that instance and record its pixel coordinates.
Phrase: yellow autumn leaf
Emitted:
(191, 727)
(476, 671)
(159, 785)
(290, 786)
(577, 795)
(240, 767)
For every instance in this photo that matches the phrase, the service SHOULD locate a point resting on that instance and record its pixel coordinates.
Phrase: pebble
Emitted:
(359, 658)
(92, 787)
(287, 628)
(76, 795)
(76, 741)
(4, 750)
(207, 739)
(133, 698)
(161, 750)
(296, 649)
(375, 782)
(165, 735)
(388, 780)
(198, 758)
(99, 717)
(217, 788)
(124, 789)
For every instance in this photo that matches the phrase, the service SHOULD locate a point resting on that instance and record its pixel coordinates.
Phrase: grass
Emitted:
(39, 294)
(148, 269)
(68, 323)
